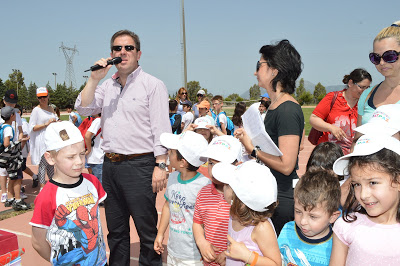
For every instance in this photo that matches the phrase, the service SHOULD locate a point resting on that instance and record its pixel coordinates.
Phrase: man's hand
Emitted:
(207, 251)
(101, 73)
(159, 179)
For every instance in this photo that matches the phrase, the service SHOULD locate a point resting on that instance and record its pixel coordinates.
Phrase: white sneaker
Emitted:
(3, 197)
(23, 196)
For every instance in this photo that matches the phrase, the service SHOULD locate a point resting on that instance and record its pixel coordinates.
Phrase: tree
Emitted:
(305, 98)
(319, 92)
(239, 99)
(16, 82)
(33, 101)
(255, 92)
(192, 88)
(3, 88)
(300, 89)
(233, 96)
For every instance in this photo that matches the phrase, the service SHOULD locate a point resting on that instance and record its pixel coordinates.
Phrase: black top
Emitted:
(286, 119)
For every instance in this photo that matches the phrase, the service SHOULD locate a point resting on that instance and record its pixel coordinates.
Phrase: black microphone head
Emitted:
(116, 60)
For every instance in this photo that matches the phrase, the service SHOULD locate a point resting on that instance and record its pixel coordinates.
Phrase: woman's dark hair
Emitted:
(324, 155)
(386, 161)
(190, 167)
(357, 75)
(283, 57)
(240, 108)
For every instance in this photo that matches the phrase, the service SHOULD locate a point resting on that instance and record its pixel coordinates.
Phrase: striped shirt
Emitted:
(212, 211)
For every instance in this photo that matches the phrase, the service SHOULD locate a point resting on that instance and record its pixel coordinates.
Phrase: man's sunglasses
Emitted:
(390, 56)
(41, 97)
(259, 65)
(118, 48)
(200, 95)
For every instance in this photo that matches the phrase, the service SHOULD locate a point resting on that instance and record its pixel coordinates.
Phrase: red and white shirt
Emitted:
(212, 211)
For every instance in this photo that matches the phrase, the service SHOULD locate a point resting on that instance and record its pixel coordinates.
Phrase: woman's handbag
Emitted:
(314, 134)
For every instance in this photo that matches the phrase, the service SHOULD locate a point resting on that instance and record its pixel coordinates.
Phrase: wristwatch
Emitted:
(254, 152)
(162, 166)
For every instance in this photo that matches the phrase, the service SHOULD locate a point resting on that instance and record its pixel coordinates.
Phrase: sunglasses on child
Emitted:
(118, 48)
(259, 65)
(390, 56)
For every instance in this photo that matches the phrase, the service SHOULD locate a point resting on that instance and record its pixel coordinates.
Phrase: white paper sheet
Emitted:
(255, 128)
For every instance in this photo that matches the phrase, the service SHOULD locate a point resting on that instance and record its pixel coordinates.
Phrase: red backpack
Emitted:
(84, 126)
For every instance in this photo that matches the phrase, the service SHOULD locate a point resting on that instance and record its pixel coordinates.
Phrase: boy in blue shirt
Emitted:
(308, 239)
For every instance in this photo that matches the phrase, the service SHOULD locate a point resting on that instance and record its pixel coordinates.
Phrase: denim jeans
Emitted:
(97, 171)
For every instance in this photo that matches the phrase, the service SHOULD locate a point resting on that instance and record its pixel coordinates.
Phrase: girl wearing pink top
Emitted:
(251, 190)
(369, 232)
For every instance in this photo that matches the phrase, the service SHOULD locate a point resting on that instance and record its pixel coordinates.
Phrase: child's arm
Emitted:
(339, 252)
(162, 227)
(264, 236)
(6, 141)
(207, 250)
(40, 243)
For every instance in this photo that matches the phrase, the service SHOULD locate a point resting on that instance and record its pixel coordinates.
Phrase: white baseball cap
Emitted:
(204, 121)
(253, 183)
(61, 134)
(42, 91)
(202, 92)
(224, 149)
(366, 145)
(190, 144)
(384, 120)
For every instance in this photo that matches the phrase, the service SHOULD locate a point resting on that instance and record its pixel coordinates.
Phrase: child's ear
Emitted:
(183, 163)
(49, 158)
(334, 217)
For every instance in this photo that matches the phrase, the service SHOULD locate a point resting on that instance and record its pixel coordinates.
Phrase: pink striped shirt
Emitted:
(133, 117)
(212, 211)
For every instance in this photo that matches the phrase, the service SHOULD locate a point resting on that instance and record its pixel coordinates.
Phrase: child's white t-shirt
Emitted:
(187, 119)
(8, 132)
(222, 119)
(97, 154)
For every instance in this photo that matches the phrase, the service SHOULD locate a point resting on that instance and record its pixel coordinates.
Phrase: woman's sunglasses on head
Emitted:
(390, 56)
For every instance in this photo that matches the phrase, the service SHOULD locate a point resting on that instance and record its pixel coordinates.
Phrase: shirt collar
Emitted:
(131, 76)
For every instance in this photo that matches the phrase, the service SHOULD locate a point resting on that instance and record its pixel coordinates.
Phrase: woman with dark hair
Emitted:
(279, 67)
(385, 57)
(263, 108)
(181, 97)
(336, 113)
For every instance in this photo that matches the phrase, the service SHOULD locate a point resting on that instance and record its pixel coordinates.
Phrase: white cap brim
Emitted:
(170, 141)
(377, 128)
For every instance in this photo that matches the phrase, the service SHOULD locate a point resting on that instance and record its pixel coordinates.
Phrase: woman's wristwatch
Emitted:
(254, 152)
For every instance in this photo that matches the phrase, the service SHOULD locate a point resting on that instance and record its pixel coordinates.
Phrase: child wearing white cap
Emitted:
(183, 185)
(252, 190)
(211, 214)
(66, 210)
(370, 228)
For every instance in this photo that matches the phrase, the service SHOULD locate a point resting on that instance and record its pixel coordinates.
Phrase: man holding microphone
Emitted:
(134, 108)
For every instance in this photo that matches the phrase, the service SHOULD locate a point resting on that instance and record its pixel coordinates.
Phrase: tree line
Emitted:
(64, 95)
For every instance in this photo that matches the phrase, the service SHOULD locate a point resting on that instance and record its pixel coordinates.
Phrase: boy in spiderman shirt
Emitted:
(66, 228)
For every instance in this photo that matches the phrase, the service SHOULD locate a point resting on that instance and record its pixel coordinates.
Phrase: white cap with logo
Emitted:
(61, 134)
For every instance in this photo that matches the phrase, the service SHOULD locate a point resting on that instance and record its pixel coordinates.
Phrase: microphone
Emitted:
(114, 61)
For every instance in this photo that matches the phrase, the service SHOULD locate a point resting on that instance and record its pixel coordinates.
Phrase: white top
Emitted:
(187, 118)
(36, 143)
(8, 132)
(96, 156)
(222, 119)
(25, 130)
(15, 127)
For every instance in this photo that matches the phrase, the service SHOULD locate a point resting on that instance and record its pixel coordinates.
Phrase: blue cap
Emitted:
(265, 95)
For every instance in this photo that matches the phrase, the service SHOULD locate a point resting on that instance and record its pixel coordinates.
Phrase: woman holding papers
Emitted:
(279, 67)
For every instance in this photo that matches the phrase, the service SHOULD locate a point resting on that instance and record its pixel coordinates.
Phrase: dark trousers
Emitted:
(129, 193)
(283, 213)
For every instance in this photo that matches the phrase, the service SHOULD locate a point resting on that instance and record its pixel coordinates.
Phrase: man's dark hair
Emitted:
(134, 36)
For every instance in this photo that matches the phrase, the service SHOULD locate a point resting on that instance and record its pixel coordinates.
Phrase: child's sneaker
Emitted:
(3, 197)
(20, 205)
(23, 196)
(35, 181)
(9, 202)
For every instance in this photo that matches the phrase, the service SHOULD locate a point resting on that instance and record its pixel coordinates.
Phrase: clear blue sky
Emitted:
(223, 37)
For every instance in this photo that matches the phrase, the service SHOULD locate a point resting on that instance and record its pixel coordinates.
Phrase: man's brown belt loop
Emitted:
(116, 157)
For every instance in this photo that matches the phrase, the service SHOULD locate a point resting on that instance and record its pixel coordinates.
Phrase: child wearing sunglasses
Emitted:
(385, 57)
